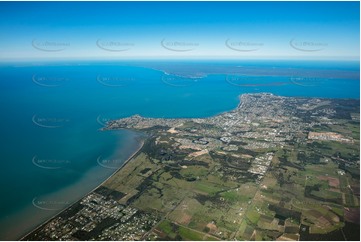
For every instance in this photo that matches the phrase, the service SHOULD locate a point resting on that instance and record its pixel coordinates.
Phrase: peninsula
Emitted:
(274, 168)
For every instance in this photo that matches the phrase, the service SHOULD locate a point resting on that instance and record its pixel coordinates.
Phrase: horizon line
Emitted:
(345, 59)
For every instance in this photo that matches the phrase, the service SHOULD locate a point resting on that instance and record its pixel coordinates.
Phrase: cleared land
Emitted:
(275, 168)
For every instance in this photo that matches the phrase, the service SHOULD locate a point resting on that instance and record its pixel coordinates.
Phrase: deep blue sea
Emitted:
(52, 151)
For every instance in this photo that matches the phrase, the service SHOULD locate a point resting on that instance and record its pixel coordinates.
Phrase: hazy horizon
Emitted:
(179, 30)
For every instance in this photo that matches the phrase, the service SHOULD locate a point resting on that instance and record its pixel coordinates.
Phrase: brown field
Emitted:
(352, 215)
(212, 228)
(332, 181)
(185, 219)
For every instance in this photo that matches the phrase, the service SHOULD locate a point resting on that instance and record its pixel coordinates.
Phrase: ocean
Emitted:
(52, 151)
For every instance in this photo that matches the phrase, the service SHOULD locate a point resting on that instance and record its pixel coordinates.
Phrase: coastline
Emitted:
(142, 141)
(116, 171)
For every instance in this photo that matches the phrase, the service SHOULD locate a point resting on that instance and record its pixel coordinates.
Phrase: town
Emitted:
(274, 168)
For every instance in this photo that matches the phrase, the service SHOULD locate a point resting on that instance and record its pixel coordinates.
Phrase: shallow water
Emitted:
(52, 152)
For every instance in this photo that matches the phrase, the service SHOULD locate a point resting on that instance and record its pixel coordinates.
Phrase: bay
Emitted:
(52, 151)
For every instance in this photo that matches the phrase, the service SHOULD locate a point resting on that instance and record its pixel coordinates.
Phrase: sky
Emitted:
(179, 30)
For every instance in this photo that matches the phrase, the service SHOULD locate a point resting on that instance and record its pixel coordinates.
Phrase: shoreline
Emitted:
(116, 171)
(141, 148)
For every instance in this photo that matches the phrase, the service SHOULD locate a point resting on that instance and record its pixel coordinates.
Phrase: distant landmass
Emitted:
(256, 68)
(274, 168)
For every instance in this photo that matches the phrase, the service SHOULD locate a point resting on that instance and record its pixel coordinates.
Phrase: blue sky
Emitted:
(178, 30)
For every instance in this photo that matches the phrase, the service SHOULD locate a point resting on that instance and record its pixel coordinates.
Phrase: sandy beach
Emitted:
(141, 144)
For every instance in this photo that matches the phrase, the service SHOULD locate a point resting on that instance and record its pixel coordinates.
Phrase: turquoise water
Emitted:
(52, 152)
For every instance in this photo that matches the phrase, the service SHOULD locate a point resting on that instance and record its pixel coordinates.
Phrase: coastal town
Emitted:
(274, 168)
